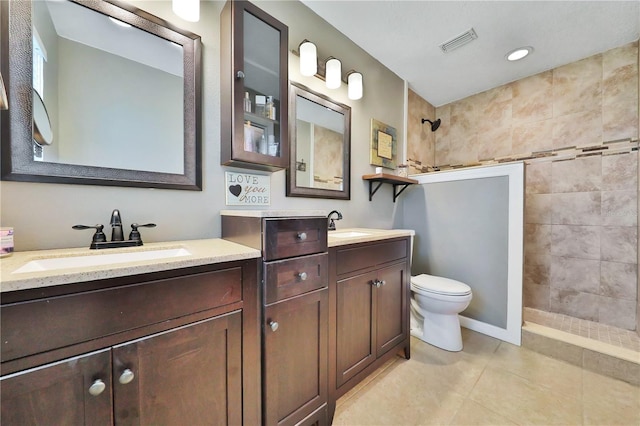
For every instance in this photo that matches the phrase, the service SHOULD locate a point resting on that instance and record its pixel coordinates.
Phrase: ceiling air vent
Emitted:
(459, 40)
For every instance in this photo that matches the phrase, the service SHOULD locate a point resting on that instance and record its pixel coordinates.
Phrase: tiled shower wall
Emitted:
(581, 232)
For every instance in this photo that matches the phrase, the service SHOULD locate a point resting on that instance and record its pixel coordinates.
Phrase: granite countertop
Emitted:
(363, 235)
(200, 252)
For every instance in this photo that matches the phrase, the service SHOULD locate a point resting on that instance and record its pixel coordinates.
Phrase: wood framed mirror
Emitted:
(122, 89)
(320, 145)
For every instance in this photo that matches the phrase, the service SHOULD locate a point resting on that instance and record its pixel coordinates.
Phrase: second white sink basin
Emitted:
(347, 234)
(101, 259)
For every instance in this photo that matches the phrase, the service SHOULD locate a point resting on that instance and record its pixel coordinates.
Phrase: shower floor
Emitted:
(604, 333)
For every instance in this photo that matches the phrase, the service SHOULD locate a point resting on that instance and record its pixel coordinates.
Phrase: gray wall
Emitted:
(462, 233)
(42, 214)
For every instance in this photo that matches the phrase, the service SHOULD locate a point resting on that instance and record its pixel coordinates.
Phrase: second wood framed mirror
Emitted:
(320, 146)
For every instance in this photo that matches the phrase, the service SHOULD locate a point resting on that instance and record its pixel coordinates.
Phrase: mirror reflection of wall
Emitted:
(319, 143)
(114, 94)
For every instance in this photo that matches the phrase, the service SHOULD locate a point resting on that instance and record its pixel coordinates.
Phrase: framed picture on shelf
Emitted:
(384, 145)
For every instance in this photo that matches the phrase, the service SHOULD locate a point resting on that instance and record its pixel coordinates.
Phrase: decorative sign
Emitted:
(245, 189)
(385, 142)
(383, 150)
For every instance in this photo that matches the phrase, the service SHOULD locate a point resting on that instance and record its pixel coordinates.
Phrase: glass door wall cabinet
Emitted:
(254, 84)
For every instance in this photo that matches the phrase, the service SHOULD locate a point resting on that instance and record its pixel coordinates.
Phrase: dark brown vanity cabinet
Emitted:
(177, 347)
(254, 88)
(295, 318)
(369, 299)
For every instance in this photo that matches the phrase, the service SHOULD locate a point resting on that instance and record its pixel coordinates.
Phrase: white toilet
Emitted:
(435, 305)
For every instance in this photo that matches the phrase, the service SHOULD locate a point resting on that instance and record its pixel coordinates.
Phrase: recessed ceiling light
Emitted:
(119, 22)
(519, 53)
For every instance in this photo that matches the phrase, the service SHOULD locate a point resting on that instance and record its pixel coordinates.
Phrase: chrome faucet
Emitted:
(116, 226)
(332, 224)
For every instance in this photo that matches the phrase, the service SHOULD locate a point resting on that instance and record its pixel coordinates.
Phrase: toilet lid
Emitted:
(440, 285)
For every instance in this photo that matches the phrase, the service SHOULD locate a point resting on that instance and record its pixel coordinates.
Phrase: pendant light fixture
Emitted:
(333, 77)
(189, 10)
(354, 79)
(308, 58)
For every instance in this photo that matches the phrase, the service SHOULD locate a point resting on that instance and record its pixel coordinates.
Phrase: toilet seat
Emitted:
(439, 285)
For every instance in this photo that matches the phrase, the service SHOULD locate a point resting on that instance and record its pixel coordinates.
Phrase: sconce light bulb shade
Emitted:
(355, 86)
(189, 10)
(308, 59)
(4, 103)
(333, 77)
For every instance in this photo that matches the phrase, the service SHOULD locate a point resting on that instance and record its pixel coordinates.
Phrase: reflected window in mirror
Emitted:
(121, 91)
(320, 144)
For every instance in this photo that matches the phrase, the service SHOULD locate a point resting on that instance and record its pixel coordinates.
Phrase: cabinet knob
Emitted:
(302, 276)
(97, 387)
(126, 377)
(240, 75)
(378, 283)
(274, 325)
(302, 236)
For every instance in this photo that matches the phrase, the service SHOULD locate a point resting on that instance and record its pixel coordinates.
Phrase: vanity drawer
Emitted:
(369, 255)
(291, 277)
(45, 324)
(289, 237)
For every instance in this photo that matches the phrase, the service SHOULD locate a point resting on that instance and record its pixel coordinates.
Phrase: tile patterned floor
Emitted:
(488, 383)
(592, 330)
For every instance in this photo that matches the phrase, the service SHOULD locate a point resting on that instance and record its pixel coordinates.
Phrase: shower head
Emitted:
(434, 124)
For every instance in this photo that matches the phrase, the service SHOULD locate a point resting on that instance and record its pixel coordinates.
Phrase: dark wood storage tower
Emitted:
(295, 314)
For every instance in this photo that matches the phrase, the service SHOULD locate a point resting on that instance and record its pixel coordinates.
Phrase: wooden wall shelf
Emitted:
(396, 181)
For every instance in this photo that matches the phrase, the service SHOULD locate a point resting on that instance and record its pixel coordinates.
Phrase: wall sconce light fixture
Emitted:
(354, 80)
(308, 58)
(4, 103)
(333, 77)
(189, 10)
(329, 71)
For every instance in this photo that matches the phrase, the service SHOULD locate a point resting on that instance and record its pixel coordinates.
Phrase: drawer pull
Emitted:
(97, 387)
(301, 236)
(126, 377)
(302, 276)
(274, 325)
(378, 283)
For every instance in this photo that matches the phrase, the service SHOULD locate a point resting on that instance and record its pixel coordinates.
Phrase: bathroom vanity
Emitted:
(272, 330)
(146, 342)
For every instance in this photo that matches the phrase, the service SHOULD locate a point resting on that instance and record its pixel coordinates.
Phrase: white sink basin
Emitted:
(101, 259)
(347, 234)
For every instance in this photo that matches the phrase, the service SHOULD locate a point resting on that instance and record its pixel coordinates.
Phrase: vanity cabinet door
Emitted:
(371, 318)
(189, 374)
(254, 88)
(295, 358)
(354, 326)
(74, 391)
(391, 308)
